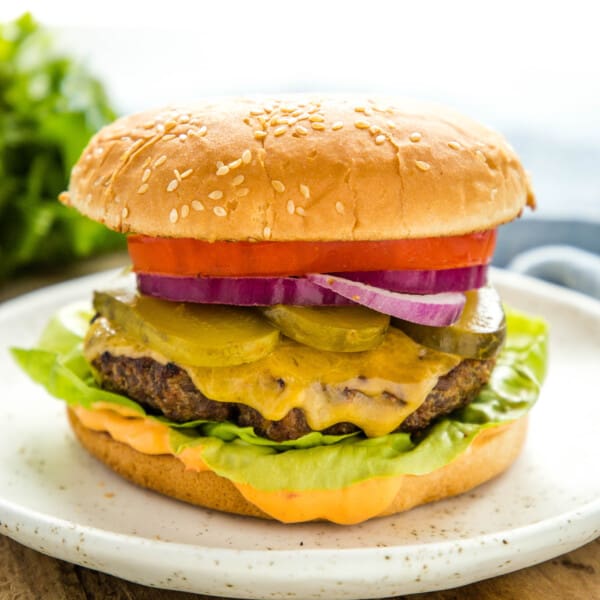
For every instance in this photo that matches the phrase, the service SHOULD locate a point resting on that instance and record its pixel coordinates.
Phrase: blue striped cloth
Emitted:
(563, 252)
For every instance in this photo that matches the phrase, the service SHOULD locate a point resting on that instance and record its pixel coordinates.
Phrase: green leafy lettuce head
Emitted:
(49, 108)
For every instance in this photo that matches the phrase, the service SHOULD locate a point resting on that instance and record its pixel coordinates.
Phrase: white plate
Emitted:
(58, 500)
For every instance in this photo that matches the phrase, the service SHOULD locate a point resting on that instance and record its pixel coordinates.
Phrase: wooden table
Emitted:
(26, 574)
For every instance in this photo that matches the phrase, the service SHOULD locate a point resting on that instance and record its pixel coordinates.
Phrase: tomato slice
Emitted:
(190, 257)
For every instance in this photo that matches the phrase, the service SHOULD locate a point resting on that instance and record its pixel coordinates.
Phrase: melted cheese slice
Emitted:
(376, 390)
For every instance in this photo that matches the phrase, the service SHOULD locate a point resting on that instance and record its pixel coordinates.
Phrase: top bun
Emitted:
(297, 168)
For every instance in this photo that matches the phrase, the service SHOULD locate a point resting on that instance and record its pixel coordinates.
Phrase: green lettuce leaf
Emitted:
(49, 108)
(315, 461)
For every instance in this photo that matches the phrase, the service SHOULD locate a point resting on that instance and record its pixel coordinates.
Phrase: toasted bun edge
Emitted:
(491, 453)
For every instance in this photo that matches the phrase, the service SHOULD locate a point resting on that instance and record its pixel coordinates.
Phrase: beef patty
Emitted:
(168, 389)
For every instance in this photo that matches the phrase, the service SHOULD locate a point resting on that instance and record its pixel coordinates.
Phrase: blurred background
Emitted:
(529, 69)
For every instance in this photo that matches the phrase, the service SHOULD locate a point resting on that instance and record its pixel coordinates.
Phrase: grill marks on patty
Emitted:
(168, 389)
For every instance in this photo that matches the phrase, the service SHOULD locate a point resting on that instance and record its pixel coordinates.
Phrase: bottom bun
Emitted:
(491, 452)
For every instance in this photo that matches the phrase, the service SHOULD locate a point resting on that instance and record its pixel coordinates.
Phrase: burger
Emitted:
(307, 331)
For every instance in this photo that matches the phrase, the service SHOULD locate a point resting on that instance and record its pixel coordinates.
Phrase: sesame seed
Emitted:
(185, 211)
(305, 191)
(246, 156)
(339, 207)
(216, 195)
(159, 161)
(480, 155)
(184, 119)
(98, 150)
(169, 125)
(286, 109)
(127, 152)
(177, 174)
(300, 130)
(275, 121)
(303, 116)
(223, 170)
(260, 135)
(318, 126)
(234, 164)
(237, 180)
(267, 232)
(415, 136)
(454, 145)
(278, 186)
(173, 185)
(220, 211)
(337, 125)
(380, 139)
(197, 205)
(424, 166)
(143, 188)
(374, 129)
(147, 163)
(173, 215)
(202, 131)
(360, 109)
(297, 112)
(187, 173)
(182, 137)
(168, 136)
(160, 127)
(280, 130)
(391, 124)
(219, 164)
(360, 124)
(316, 118)
(291, 207)
(300, 211)
(242, 192)
(256, 111)
(124, 212)
(148, 125)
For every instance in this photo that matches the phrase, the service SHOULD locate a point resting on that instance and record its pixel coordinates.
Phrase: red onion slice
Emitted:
(438, 310)
(241, 291)
(423, 282)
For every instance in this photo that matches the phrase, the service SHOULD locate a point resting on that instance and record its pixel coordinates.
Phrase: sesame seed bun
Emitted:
(491, 453)
(333, 168)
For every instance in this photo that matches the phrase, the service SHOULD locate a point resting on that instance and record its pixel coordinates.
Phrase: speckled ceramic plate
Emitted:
(56, 499)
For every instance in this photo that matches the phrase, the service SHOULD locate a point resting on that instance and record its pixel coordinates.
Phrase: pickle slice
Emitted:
(333, 328)
(479, 332)
(190, 334)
